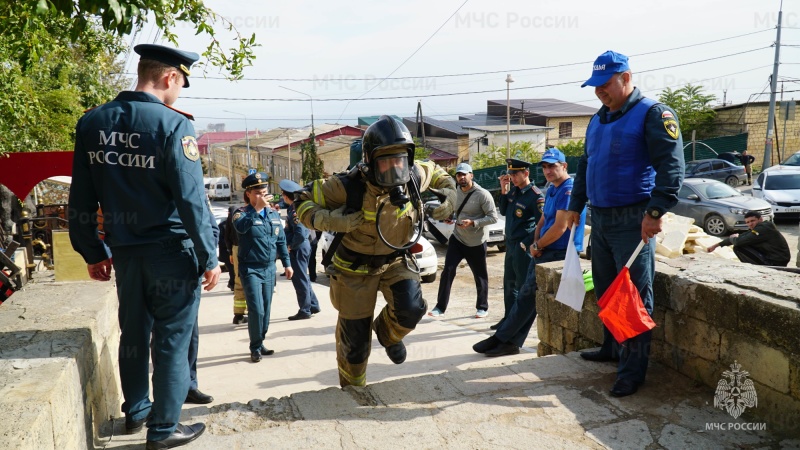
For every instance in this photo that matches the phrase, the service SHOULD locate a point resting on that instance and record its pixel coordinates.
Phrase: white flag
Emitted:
(572, 290)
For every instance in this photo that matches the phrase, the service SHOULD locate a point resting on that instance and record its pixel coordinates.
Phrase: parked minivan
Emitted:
(218, 188)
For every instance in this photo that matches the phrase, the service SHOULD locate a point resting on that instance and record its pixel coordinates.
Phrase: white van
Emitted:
(218, 188)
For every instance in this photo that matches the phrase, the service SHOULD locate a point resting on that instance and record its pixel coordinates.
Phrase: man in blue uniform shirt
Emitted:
(261, 239)
(631, 172)
(137, 158)
(551, 239)
(299, 239)
(521, 205)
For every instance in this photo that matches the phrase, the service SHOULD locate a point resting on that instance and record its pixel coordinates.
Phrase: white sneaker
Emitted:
(481, 313)
(435, 312)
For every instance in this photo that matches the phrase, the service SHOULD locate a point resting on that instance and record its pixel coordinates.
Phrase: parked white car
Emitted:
(423, 251)
(497, 231)
(780, 187)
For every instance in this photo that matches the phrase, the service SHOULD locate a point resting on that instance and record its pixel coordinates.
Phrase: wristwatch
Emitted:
(655, 213)
(536, 246)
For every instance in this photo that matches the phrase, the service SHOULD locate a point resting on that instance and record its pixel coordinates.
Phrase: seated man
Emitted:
(763, 245)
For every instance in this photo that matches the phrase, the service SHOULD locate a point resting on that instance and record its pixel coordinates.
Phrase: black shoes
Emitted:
(300, 316)
(506, 348)
(265, 351)
(597, 356)
(134, 426)
(182, 435)
(239, 319)
(197, 397)
(397, 352)
(315, 310)
(497, 325)
(486, 344)
(255, 356)
(623, 387)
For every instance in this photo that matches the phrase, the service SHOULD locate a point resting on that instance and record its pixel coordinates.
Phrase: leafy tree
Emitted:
(693, 107)
(313, 168)
(573, 148)
(496, 156)
(420, 152)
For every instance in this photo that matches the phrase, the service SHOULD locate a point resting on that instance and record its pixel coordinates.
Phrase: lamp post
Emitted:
(246, 138)
(313, 133)
(509, 80)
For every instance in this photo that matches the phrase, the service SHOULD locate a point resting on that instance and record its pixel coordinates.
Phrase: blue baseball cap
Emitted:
(605, 66)
(463, 168)
(552, 156)
(289, 186)
(179, 59)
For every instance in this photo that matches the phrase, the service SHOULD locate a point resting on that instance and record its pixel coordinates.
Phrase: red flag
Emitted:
(622, 310)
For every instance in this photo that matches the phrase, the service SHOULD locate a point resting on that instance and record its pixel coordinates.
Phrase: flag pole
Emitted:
(635, 254)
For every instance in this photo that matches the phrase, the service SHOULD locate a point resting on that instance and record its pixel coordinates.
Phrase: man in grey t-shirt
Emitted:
(474, 211)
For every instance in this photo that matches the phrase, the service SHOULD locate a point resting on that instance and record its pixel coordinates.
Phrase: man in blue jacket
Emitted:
(299, 239)
(137, 158)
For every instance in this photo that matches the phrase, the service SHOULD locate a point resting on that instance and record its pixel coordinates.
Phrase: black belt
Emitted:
(155, 248)
(359, 259)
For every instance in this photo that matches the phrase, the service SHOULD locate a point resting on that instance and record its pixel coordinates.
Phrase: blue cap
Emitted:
(516, 164)
(605, 66)
(552, 156)
(255, 180)
(289, 186)
(463, 168)
(179, 59)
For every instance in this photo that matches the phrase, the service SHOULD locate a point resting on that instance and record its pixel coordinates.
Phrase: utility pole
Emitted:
(509, 80)
(773, 88)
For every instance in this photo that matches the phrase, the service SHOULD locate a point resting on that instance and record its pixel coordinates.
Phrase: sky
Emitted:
(337, 53)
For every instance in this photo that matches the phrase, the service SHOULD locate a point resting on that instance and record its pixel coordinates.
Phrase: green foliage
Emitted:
(496, 156)
(573, 148)
(693, 108)
(28, 27)
(313, 168)
(420, 152)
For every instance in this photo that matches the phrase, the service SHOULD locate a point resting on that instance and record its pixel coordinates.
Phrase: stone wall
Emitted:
(709, 314)
(58, 360)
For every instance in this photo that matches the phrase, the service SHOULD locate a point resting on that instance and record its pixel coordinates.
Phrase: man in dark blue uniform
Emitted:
(521, 205)
(298, 237)
(631, 172)
(261, 238)
(137, 158)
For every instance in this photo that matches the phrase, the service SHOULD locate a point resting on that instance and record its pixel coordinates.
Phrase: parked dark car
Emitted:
(716, 169)
(717, 207)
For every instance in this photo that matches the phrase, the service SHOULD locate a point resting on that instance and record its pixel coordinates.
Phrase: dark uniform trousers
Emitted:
(354, 294)
(258, 282)
(514, 273)
(519, 320)
(306, 298)
(615, 233)
(476, 259)
(159, 292)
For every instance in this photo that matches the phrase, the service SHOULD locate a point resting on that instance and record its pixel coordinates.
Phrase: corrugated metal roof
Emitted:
(547, 107)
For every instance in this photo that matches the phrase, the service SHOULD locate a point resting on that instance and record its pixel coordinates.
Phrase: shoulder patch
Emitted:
(190, 149)
(536, 190)
(237, 215)
(672, 127)
(187, 115)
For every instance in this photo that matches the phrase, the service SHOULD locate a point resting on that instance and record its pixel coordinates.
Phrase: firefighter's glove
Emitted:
(445, 210)
(337, 221)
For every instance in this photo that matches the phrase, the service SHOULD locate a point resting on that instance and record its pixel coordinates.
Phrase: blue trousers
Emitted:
(476, 259)
(194, 346)
(257, 282)
(158, 293)
(615, 234)
(514, 274)
(520, 319)
(306, 298)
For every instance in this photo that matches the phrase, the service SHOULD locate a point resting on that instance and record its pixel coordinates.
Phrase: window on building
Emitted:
(565, 130)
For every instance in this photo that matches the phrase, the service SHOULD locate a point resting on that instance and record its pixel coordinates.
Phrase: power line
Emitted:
(555, 66)
(460, 93)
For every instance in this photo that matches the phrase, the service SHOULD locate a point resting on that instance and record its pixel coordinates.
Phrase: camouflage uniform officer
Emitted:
(138, 158)
(521, 203)
(363, 263)
(261, 238)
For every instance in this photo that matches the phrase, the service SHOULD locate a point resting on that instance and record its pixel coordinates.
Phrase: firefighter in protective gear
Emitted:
(388, 181)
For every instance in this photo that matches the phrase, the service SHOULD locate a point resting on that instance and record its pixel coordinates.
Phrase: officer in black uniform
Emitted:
(521, 203)
(137, 158)
(261, 238)
(298, 237)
